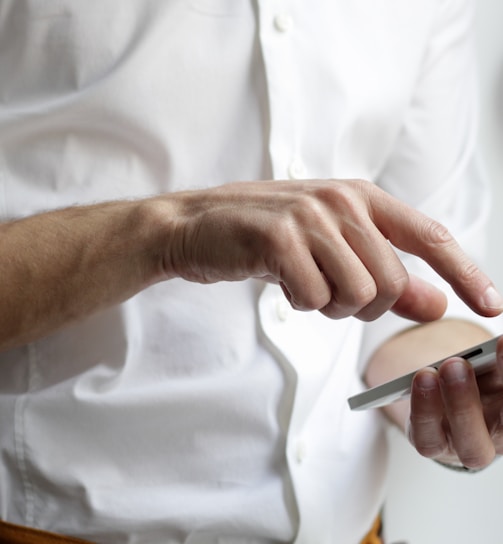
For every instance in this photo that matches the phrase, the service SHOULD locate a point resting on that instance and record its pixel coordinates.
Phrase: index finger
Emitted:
(418, 234)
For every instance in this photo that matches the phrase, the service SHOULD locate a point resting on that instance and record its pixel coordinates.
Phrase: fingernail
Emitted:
(492, 299)
(426, 380)
(454, 372)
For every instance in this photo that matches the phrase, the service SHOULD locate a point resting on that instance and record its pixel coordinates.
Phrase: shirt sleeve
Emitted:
(435, 165)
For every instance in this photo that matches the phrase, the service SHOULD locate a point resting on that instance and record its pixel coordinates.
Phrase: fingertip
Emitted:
(426, 431)
(426, 379)
(482, 459)
(488, 303)
(307, 300)
(454, 370)
(421, 302)
(492, 301)
(425, 391)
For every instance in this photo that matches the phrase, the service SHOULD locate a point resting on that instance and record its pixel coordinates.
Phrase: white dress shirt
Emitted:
(204, 414)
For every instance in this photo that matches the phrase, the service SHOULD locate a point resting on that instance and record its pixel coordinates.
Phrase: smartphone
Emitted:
(482, 357)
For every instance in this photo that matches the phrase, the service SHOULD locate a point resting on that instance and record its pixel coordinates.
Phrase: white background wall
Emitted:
(428, 504)
(490, 54)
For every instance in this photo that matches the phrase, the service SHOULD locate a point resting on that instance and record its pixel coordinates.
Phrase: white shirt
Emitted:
(202, 414)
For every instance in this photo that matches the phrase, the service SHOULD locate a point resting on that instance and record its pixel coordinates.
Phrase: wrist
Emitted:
(162, 220)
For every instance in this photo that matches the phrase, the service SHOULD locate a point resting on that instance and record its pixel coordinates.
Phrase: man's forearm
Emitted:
(63, 265)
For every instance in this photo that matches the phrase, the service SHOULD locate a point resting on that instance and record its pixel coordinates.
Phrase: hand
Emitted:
(326, 243)
(456, 419)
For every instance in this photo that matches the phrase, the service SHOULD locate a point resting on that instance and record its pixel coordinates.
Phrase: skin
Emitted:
(457, 419)
(452, 417)
(326, 242)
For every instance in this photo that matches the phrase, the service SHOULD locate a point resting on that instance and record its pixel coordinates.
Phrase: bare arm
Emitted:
(60, 266)
(325, 242)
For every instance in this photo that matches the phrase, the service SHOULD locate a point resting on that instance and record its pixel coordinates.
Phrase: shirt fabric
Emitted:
(216, 413)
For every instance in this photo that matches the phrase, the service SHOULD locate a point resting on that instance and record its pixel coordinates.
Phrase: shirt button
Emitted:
(282, 309)
(301, 451)
(283, 22)
(296, 170)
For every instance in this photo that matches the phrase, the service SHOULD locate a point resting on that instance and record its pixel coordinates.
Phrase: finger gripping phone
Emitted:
(482, 357)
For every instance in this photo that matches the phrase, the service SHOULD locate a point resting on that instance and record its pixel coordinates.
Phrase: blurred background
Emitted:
(428, 504)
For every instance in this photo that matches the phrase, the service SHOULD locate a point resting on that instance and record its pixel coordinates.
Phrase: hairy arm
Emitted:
(60, 266)
(326, 242)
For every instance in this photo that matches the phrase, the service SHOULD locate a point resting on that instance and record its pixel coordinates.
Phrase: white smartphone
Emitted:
(482, 357)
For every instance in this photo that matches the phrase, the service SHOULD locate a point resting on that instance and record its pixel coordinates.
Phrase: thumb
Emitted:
(420, 301)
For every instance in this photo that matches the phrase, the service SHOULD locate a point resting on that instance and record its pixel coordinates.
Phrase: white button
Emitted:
(296, 170)
(301, 451)
(282, 309)
(283, 22)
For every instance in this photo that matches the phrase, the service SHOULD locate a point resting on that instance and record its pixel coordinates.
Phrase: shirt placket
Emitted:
(279, 25)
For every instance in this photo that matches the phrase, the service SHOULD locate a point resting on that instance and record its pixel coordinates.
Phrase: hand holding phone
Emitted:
(482, 357)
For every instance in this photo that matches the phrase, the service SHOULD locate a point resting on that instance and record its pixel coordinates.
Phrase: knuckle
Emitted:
(498, 448)
(369, 314)
(420, 419)
(394, 286)
(309, 203)
(434, 233)
(331, 311)
(362, 186)
(468, 272)
(476, 460)
(346, 194)
(426, 435)
(431, 451)
(359, 297)
(334, 310)
(311, 300)
(462, 417)
(382, 298)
